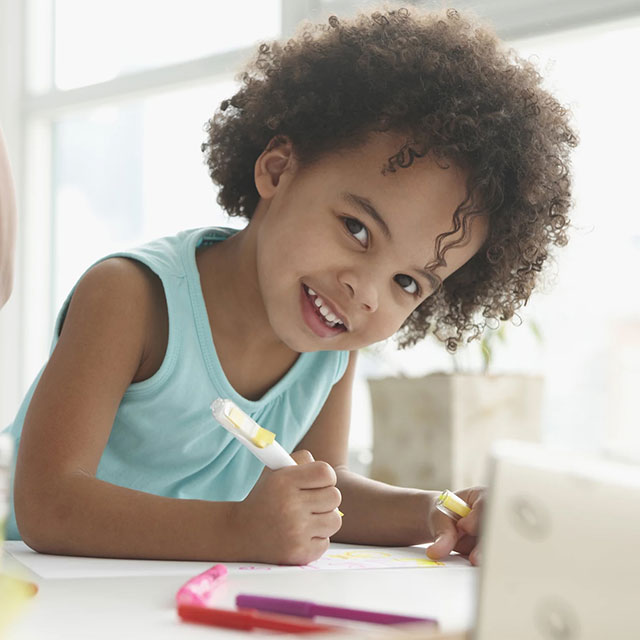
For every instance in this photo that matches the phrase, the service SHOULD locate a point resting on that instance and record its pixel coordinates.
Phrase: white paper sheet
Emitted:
(48, 566)
(338, 557)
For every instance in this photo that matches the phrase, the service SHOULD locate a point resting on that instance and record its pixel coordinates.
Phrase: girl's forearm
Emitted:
(82, 515)
(380, 514)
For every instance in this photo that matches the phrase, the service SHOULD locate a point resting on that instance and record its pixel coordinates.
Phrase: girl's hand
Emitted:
(461, 536)
(290, 513)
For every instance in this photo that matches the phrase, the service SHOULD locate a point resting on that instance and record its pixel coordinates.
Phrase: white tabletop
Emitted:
(135, 599)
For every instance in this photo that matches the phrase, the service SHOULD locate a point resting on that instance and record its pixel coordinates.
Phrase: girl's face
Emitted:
(341, 249)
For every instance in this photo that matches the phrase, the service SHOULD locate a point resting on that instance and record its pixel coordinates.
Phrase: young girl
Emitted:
(401, 174)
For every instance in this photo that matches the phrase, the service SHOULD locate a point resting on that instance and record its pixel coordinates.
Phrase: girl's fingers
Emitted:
(470, 524)
(302, 456)
(460, 536)
(325, 500)
(474, 556)
(465, 544)
(444, 543)
(324, 525)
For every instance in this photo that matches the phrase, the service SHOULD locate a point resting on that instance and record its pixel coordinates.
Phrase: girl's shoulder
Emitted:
(122, 297)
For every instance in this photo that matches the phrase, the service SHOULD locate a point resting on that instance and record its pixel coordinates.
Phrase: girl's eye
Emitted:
(407, 283)
(357, 230)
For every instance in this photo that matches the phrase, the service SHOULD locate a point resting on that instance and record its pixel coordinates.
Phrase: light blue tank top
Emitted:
(164, 439)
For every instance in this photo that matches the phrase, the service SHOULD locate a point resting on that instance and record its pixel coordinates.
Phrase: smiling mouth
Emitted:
(323, 311)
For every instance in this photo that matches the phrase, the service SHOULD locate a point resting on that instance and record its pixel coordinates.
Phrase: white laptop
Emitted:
(561, 547)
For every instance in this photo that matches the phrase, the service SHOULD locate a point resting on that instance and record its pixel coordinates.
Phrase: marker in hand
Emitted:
(459, 537)
(261, 442)
(452, 505)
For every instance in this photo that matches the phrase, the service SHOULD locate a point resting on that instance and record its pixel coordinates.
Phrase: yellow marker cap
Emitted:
(263, 437)
(452, 505)
(250, 429)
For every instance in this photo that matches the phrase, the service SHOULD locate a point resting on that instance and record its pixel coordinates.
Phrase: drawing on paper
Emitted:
(355, 557)
(373, 559)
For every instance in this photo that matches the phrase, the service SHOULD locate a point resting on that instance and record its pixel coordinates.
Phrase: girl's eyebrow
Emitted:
(434, 281)
(366, 207)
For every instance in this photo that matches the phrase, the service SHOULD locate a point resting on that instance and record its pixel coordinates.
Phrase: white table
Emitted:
(143, 606)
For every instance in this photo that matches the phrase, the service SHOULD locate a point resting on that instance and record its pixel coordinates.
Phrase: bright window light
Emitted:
(96, 41)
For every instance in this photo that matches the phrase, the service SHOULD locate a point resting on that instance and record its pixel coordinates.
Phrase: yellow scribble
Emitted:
(360, 555)
(423, 562)
(377, 555)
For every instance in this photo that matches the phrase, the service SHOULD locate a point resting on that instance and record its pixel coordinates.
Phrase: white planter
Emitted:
(434, 432)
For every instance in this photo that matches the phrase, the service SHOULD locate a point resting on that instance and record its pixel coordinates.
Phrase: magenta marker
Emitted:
(311, 609)
(198, 590)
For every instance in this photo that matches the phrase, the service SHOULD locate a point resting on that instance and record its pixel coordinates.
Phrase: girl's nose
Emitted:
(361, 289)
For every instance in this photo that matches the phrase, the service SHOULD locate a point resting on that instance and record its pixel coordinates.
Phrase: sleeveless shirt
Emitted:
(164, 438)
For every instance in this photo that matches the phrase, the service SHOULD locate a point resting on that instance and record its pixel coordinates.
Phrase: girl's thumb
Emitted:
(302, 457)
(443, 544)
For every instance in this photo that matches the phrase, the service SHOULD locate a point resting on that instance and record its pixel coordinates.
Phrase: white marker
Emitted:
(261, 442)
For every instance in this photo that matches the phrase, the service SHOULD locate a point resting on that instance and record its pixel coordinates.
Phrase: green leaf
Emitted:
(535, 329)
(486, 354)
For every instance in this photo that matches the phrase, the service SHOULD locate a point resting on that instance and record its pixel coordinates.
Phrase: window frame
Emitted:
(27, 320)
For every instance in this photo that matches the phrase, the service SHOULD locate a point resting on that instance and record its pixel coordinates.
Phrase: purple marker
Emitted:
(307, 609)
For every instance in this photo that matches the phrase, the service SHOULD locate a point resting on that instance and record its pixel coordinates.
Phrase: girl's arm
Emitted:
(110, 337)
(113, 334)
(376, 513)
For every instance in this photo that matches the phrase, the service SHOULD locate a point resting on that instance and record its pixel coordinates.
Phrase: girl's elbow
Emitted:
(39, 518)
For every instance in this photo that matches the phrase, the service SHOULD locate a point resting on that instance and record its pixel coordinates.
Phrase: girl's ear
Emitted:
(277, 158)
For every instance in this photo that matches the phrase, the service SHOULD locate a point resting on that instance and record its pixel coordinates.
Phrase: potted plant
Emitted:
(434, 431)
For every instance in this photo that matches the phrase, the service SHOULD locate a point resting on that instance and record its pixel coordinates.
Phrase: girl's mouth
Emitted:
(317, 315)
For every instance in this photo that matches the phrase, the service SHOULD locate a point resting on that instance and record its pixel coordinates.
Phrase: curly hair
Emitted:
(445, 83)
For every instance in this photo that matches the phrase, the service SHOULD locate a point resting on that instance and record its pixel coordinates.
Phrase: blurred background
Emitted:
(103, 106)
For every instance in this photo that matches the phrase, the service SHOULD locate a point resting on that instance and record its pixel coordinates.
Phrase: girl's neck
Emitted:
(250, 353)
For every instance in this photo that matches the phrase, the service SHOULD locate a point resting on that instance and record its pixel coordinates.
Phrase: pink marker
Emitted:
(198, 590)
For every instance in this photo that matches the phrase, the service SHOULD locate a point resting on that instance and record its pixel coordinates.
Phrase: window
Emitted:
(589, 309)
(592, 316)
(116, 96)
(121, 37)
(103, 114)
(127, 173)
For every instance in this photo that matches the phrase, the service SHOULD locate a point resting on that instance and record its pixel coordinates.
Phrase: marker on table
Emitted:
(310, 609)
(261, 442)
(452, 505)
(199, 589)
(249, 619)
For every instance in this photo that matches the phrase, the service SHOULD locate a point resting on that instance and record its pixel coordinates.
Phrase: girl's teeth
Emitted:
(330, 318)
